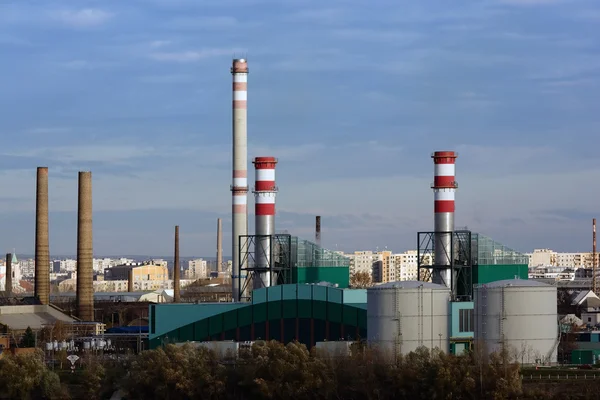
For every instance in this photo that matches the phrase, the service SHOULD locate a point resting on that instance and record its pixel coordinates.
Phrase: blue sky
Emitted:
(351, 96)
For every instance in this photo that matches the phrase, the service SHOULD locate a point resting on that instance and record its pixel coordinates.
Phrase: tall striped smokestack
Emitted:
(85, 251)
(318, 230)
(8, 280)
(265, 192)
(176, 269)
(239, 187)
(444, 188)
(594, 261)
(42, 246)
(219, 246)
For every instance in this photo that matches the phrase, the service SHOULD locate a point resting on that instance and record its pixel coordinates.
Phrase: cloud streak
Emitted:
(192, 55)
(84, 18)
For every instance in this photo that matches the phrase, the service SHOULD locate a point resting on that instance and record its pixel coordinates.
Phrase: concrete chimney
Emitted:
(130, 287)
(176, 269)
(8, 280)
(42, 246)
(219, 246)
(85, 252)
(239, 186)
(318, 230)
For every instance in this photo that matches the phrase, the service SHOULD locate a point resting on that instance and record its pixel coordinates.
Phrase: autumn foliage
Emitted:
(271, 370)
(360, 280)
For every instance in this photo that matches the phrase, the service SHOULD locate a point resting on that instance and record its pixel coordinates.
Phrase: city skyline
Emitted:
(352, 98)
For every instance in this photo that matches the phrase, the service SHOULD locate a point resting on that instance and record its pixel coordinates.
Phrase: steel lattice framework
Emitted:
(275, 248)
(458, 254)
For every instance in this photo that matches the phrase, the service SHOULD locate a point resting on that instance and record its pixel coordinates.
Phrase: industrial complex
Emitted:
(470, 292)
(470, 288)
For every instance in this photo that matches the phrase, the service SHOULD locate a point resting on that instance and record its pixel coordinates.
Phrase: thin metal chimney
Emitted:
(444, 189)
(318, 230)
(176, 269)
(42, 246)
(85, 251)
(219, 247)
(8, 283)
(265, 193)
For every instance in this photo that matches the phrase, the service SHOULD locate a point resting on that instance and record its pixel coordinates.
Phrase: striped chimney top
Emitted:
(265, 189)
(444, 183)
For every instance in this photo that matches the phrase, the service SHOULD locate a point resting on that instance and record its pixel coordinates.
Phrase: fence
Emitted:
(559, 377)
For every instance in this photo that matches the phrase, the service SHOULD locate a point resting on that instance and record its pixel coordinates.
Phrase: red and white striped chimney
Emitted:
(444, 188)
(239, 185)
(265, 192)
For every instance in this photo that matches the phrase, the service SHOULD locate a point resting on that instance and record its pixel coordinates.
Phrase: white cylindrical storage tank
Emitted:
(520, 316)
(402, 316)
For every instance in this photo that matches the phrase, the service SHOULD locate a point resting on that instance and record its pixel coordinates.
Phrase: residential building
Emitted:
(197, 269)
(144, 272)
(405, 265)
(550, 258)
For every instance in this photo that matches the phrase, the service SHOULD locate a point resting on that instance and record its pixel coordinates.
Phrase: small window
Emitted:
(465, 320)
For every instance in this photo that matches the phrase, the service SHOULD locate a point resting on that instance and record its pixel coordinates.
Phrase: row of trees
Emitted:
(271, 370)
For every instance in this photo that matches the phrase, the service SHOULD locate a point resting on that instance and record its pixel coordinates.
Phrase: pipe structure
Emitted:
(219, 246)
(318, 230)
(444, 189)
(265, 192)
(239, 187)
(42, 246)
(8, 283)
(594, 261)
(85, 251)
(130, 287)
(176, 269)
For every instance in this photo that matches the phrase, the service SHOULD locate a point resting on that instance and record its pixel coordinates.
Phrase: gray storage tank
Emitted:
(519, 315)
(402, 316)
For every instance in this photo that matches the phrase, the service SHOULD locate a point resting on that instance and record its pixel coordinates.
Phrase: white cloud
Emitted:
(76, 64)
(83, 65)
(160, 43)
(47, 130)
(168, 78)
(218, 22)
(191, 56)
(326, 16)
(396, 37)
(89, 17)
(11, 40)
(91, 153)
(531, 2)
(293, 153)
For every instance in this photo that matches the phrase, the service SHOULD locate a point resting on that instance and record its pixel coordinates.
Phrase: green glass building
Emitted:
(493, 261)
(311, 263)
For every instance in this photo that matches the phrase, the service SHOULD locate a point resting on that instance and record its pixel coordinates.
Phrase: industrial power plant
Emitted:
(471, 292)
(470, 288)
